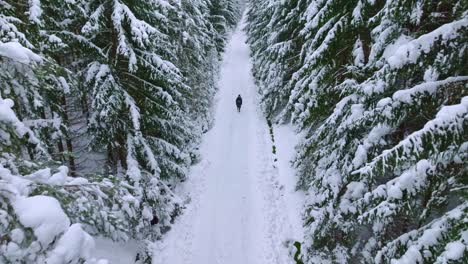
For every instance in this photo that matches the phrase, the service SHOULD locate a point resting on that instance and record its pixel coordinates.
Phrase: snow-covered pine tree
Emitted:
(130, 97)
(36, 227)
(198, 58)
(43, 210)
(277, 48)
(329, 32)
(417, 92)
(224, 14)
(61, 41)
(381, 95)
(38, 94)
(137, 107)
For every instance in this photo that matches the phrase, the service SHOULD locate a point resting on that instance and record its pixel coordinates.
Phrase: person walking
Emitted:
(239, 102)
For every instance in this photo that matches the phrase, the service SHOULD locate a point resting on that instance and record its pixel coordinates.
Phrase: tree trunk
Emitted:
(71, 159)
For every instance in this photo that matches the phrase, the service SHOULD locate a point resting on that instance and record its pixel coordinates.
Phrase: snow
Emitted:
(417, 13)
(65, 86)
(451, 111)
(358, 53)
(427, 237)
(357, 16)
(431, 74)
(133, 169)
(374, 137)
(454, 250)
(286, 139)
(391, 49)
(59, 178)
(139, 29)
(451, 115)
(114, 252)
(6, 113)
(406, 95)
(78, 181)
(44, 215)
(241, 204)
(134, 111)
(17, 235)
(74, 244)
(35, 11)
(18, 53)
(411, 51)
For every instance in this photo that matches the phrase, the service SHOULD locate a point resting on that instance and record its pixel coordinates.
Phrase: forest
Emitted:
(102, 105)
(105, 104)
(379, 91)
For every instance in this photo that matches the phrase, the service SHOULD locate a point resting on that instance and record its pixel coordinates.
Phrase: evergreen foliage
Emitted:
(102, 105)
(379, 89)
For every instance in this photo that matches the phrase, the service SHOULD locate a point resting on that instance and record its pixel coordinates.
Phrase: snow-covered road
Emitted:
(240, 207)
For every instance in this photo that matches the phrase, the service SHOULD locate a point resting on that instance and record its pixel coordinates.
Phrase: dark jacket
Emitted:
(239, 101)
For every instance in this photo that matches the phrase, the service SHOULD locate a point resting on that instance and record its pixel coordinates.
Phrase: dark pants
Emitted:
(238, 107)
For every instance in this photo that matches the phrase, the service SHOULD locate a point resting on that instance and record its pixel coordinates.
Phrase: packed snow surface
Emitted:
(241, 204)
(114, 252)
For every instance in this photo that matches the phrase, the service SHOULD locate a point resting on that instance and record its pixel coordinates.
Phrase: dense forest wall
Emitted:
(102, 106)
(379, 90)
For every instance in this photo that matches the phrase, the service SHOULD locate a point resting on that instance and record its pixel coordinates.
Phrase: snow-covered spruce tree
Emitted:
(34, 228)
(133, 84)
(381, 95)
(224, 14)
(136, 107)
(38, 94)
(276, 46)
(197, 58)
(43, 211)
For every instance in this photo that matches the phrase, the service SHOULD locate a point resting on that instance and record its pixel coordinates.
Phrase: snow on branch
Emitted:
(35, 11)
(16, 52)
(411, 51)
(140, 31)
(427, 238)
(453, 117)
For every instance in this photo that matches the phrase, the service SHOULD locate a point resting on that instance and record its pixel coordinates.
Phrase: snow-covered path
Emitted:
(238, 213)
